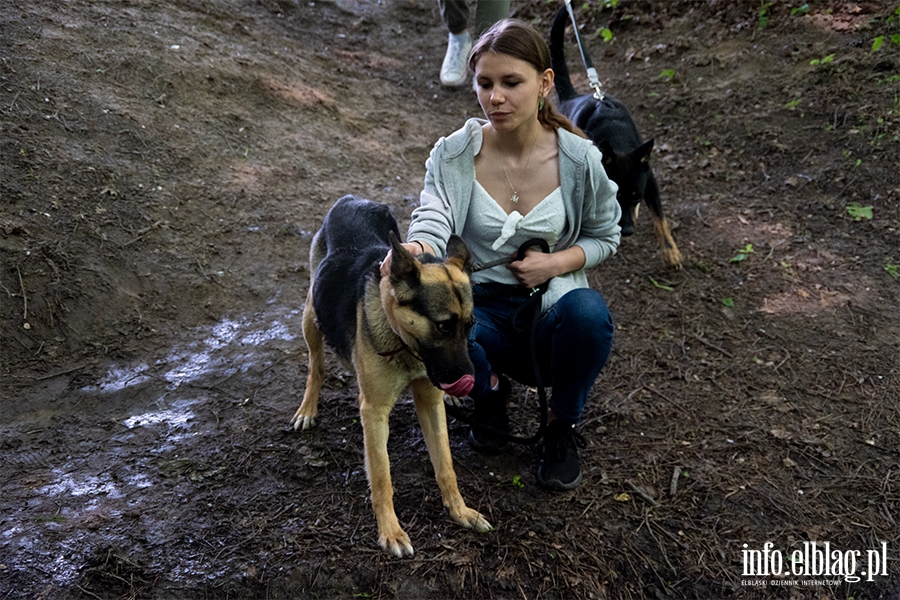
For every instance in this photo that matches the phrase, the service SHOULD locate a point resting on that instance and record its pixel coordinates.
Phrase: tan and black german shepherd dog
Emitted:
(407, 329)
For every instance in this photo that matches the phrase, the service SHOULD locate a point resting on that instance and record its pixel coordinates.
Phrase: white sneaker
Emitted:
(454, 70)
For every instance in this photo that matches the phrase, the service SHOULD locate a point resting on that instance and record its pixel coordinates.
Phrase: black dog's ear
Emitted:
(642, 152)
(459, 253)
(404, 267)
(606, 149)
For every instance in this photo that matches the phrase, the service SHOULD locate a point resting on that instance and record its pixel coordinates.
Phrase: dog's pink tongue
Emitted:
(461, 387)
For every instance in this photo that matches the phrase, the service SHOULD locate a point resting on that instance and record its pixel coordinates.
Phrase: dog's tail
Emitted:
(564, 88)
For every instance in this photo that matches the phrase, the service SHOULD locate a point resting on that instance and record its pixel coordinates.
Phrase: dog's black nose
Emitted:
(627, 230)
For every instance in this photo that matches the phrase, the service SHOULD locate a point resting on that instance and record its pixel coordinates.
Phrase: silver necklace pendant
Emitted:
(515, 197)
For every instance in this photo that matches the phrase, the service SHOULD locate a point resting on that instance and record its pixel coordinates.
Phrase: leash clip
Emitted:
(585, 57)
(595, 83)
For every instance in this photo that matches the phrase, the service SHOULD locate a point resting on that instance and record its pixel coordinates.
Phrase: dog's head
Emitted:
(630, 171)
(430, 308)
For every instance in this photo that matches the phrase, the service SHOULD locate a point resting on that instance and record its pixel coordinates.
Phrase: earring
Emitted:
(541, 104)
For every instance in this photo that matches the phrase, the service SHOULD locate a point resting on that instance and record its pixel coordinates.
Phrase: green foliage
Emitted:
(729, 302)
(895, 38)
(822, 61)
(667, 74)
(895, 16)
(800, 10)
(53, 519)
(661, 286)
(892, 270)
(762, 15)
(606, 34)
(858, 212)
(792, 104)
(742, 254)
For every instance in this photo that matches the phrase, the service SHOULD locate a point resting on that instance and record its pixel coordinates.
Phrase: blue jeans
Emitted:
(573, 340)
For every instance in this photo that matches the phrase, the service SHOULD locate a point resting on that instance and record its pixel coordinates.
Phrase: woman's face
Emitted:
(509, 89)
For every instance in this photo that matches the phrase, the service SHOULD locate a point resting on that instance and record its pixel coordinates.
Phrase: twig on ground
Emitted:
(644, 495)
(24, 295)
(142, 233)
(89, 593)
(662, 548)
(673, 484)
(664, 397)
(702, 220)
(58, 373)
(713, 346)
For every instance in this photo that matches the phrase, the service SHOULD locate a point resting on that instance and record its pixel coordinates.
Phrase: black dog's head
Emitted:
(631, 171)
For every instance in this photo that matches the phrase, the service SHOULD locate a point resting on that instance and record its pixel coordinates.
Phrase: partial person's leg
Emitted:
(488, 12)
(575, 338)
(489, 342)
(455, 15)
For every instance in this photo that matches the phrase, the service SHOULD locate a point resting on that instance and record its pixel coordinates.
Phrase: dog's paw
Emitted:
(672, 258)
(452, 401)
(472, 519)
(303, 422)
(397, 543)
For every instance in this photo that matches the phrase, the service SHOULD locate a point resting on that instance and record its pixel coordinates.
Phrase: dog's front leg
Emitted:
(670, 253)
(373, 412)
(432, 417)
(305, 417)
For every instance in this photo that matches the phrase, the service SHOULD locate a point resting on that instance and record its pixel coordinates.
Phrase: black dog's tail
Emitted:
(564, 88)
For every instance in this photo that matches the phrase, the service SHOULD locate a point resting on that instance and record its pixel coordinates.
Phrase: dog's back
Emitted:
(346, 252)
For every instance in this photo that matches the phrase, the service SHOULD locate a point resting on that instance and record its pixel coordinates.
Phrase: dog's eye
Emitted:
(446, 327)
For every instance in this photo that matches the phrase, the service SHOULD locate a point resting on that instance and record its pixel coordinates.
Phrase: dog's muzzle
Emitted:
(461, 387)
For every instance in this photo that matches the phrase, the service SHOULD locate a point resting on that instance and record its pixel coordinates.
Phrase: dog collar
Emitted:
(396, 351)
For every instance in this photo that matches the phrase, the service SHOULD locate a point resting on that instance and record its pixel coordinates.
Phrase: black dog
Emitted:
(626, 157)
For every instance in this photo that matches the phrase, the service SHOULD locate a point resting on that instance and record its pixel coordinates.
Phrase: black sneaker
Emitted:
(491, 411)
(559, 469)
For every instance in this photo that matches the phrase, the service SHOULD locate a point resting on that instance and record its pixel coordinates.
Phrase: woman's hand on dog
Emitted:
(414, 248)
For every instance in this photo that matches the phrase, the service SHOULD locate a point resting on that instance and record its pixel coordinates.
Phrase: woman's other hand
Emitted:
(539, 267)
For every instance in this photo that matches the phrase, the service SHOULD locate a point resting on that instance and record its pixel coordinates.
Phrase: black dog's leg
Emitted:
(670, 253)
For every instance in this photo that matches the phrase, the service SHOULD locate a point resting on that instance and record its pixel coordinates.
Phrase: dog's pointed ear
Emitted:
(458, 253)
(404, 267)
(642, 152)
(606, 149)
